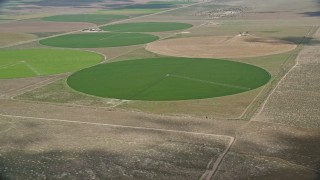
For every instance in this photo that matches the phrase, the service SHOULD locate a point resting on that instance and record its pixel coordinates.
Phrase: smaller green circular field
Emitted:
(40, 62)
(100, 39)
(146, 27)
(170, 78)
(93, 18)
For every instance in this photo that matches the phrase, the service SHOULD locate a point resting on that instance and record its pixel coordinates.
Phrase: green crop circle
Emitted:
(146, 27)
(93, 18)
(99, 39)
(40, 62)
(170, 78)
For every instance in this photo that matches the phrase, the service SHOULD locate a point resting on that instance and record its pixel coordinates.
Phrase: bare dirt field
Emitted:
(117, 117)
(14, 87)
(9, 37)
(42, 26)
(220, 47)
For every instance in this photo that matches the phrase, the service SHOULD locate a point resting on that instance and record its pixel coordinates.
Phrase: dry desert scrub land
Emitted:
(295, 100)
(281, 141)
(55, 149)
(14, 87)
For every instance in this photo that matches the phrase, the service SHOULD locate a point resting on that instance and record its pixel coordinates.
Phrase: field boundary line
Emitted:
(115, 22)
(113, 125)
(208, 82)
(112, 108)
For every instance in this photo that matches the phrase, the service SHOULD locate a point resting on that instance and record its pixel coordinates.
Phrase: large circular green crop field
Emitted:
(93, 18)
(40, 62)
(146, 27)
(170, 78)
(96, 40)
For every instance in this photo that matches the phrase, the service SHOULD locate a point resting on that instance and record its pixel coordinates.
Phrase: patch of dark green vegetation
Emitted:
(148, 5)
(146, 27)
(73, 3)
(157, 5)
(100, 39)
(168, 78)
(93, 18)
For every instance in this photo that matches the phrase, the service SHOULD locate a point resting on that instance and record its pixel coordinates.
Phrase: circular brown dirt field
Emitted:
(220, 47)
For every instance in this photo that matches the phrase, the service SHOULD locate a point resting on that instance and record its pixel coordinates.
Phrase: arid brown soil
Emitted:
(220, 47)
(42, 26)
(9, 37)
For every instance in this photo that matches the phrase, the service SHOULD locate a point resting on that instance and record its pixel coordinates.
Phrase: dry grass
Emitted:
(42, 26)
(220, 47)
(10, 37)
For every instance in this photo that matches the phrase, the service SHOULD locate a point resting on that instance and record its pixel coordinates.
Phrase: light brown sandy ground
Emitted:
(42, 26)
(220, 47)
(273, 151)
(79, 142)
(9, 37)
(14, 87)
(105, 115)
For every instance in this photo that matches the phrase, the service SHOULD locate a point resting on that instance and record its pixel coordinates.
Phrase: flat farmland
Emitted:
(91, 18)
(167, 79)
(221, 47)
(94, 40)
(40, 62)
(146, 27)
(141, 114)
